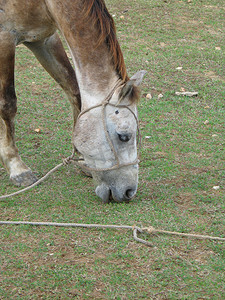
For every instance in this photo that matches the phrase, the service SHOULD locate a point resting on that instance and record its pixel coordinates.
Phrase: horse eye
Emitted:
(125, 137)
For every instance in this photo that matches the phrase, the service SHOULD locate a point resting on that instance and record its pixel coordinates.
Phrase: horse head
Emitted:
(106, 136)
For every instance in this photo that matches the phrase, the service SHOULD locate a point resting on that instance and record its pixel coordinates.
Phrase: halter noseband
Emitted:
(103, 105)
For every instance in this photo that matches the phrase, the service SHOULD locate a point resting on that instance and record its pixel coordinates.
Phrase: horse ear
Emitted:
(138, 77)
(135, 80)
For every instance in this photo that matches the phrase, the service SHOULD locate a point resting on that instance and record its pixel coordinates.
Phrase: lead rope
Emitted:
(134, 228)
(66, 161)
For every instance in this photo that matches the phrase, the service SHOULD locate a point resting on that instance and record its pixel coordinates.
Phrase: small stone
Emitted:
(218, 48)
(179, 68)
(148, 137)
(37, 130)
(160, 96)
(214, 135)
(188, 94)
(149, 96)
(206, 122)
(216, 187)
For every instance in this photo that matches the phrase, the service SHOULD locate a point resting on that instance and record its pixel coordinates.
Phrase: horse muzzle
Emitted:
(107, 193)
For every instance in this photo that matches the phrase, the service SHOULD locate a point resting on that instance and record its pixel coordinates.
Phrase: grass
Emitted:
(182, 160)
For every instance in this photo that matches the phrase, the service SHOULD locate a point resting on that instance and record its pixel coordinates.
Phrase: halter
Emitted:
(103, 105)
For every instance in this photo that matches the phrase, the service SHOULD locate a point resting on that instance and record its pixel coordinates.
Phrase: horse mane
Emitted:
(97, 12)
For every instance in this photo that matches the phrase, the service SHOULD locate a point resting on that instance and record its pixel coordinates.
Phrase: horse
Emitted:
(102, 96)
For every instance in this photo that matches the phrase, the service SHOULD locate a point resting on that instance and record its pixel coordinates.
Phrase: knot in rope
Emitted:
(149, 229)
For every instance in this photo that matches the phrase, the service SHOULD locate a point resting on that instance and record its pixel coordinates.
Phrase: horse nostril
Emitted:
(124, 137)
(130, 194)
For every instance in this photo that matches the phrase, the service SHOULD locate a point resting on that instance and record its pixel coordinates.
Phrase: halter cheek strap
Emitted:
(103, 105)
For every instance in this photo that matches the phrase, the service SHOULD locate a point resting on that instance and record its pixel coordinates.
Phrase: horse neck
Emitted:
(96, 74)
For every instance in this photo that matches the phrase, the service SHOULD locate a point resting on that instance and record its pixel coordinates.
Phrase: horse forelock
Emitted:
(97, 12)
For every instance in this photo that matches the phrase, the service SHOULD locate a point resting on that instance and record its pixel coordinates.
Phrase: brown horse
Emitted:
(99, 88)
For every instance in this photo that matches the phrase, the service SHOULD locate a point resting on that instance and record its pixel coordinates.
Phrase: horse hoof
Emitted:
(24, 179)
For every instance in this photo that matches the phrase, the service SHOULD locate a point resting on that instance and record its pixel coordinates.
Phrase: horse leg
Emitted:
(20, 174)
(51, 54)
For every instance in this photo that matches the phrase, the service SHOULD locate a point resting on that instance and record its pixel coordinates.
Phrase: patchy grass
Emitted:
(182, 160)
